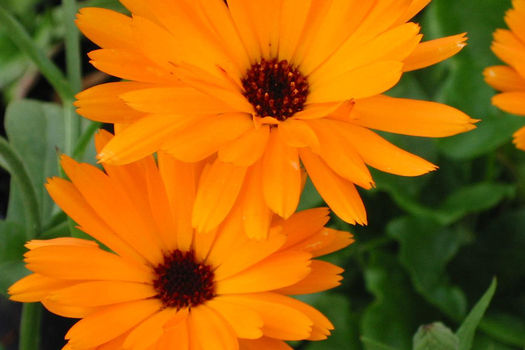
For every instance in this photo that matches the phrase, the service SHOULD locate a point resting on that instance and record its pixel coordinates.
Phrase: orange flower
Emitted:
(163, 287)
(509, 46)
(267, 85)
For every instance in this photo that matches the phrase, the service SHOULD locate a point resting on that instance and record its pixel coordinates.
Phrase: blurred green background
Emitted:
(433, 244)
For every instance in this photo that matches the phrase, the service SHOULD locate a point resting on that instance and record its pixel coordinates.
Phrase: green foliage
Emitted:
(433, 242)
(466, 332)
(11, 254)
(38, 146)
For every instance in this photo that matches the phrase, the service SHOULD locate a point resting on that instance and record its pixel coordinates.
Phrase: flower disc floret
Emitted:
(182, 281)
(275, 89)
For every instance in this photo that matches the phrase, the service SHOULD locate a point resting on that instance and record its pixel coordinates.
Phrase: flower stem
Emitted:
(84, 139)
(12, 162)
(30, 326)
(74, 74)
(23, 40)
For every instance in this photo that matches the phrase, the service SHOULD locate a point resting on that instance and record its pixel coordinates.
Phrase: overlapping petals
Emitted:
(188, 62)
(509, 46)
(141, 212)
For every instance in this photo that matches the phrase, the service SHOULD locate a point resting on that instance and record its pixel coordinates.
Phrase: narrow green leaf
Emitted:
(19, 173)
(85, 139)
(38, 146)
(435, 336)
(20, 36)
(467, 329)
(12, 240)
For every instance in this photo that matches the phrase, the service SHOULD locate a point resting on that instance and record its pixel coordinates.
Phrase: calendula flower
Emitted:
(270, 86)
(509, 46)
(160, 285)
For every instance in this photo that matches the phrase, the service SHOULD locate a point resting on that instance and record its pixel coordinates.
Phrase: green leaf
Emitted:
(426, 249)
(374, 345)
(21, 37)
(474, 199)
(467, 200)
(483, 342)
(38, 146)
(12, 240)
(393, 316)
(504, 327)
(435, 336)
(467, 329)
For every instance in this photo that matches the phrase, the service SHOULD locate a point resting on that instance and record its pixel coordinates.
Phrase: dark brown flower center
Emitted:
(182, 281)
(275, 89)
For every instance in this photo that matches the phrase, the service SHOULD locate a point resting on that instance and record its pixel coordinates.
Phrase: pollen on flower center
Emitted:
(182, 281)
(275, 88)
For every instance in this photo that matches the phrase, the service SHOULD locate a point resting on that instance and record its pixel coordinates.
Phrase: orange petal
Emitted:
(511, 102)
(211, 330)
(63, 241)
(278, 271)
(100, 293)
(256, 215)
(228, 239)
(68, 310)
(297, 133)
(130, 65)
(246, 323)
(180, 182)
(71, 201)
(202, 139)
(144, 138)
(84, 263)
(111, 202)
(301, 225)
(381, 154)
(35, 288)
(263, 343)
(321, 325)
(115, 33)
(411, 117)
(220, 19)
(393, 45)
(339, 154)
(247, 148)
(324, 241)
(175, 100)
(175, 338)
(102, 103)
(519, 139)
(248, 255)
(361, 82)
(281, 176)
(281, 319)
(434, 51)
(293, 18)
(340, 194)
(217, 193)
(504, 78)
(148, 332)
(94, 330)
(323, 276)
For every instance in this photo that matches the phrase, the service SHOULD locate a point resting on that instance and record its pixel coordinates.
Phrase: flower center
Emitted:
(183, 282)
(275, 89)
